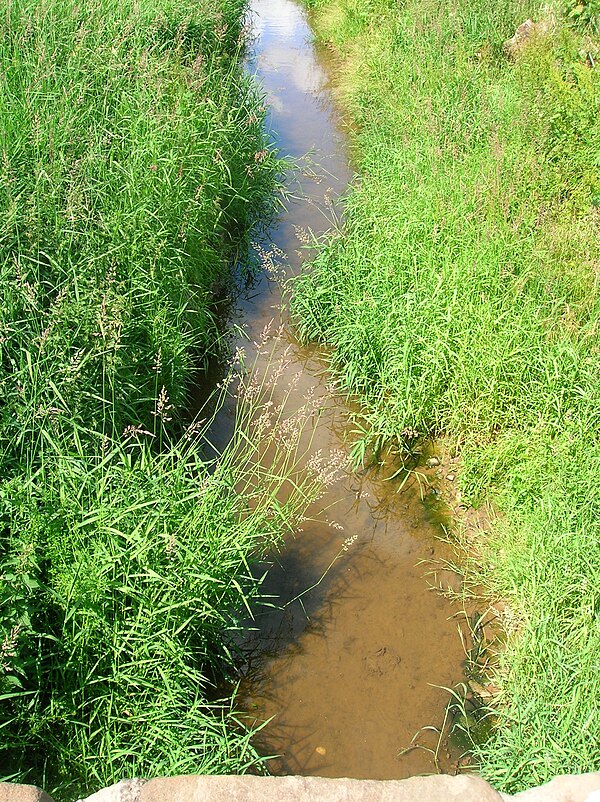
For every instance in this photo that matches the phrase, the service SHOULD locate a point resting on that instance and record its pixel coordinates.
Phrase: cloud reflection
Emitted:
(283, 30)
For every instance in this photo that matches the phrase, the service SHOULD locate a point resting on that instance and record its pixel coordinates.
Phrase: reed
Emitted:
(133, 166)
(461, 299)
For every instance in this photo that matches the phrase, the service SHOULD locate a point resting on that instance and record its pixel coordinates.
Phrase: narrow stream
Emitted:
(351, 671)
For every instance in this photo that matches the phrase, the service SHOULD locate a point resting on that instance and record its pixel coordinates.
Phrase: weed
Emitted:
(462, 298)
(133, 164)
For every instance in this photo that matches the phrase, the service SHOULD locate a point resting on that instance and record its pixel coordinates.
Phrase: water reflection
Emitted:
(350, 669)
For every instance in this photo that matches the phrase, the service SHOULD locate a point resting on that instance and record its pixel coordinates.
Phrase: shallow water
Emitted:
(355, 668)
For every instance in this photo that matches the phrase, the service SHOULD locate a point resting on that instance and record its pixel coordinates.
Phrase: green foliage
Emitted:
(461, 297)
(133, 162)
(126, 164)
(126, 589)
(126, 575)
(585, 13)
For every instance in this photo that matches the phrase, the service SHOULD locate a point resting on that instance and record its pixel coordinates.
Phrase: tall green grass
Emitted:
(461, 298)
(131, 151)
(127, 579)
(132, 165)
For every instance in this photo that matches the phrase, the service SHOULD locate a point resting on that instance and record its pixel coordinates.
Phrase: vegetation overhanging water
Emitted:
(461, 300)
(134, 164)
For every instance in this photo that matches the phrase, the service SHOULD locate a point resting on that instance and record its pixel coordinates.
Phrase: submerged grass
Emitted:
(462, 298)
(133, 164)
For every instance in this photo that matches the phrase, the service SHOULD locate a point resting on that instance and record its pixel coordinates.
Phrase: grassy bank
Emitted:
(462, 299)
(132, 165)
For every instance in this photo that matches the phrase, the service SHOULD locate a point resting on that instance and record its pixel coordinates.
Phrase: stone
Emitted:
(568, 788)
(527, 31)
(124, 791)
(480, 690)
(13, 792)
(439, 788)
(432, 462)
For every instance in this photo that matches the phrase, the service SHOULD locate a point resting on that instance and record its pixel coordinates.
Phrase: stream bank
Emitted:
(128, 182)
(461, 299)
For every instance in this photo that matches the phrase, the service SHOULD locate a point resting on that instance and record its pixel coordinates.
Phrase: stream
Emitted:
(349, 673)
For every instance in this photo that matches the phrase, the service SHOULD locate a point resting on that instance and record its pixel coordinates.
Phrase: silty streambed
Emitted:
(352, 670)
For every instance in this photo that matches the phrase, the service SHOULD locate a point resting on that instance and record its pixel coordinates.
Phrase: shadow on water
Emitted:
(352, 659)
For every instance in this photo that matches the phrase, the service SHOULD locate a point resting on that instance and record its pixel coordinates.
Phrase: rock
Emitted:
(124, 791)
(13, 792)
(451, 477)
(527, 31)
(480, 690)
(437, 788)
(432, 462)
(441, 788)
(576, 788)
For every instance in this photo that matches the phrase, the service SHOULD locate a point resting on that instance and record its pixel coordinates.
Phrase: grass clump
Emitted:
(132, 153)
(132, 164)
(462, 298)
(126, 579)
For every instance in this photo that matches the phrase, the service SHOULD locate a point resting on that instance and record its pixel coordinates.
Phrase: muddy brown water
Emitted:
(349, 674)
